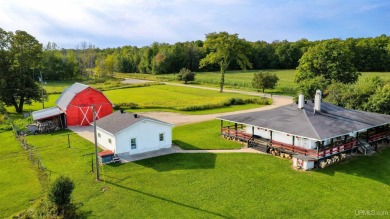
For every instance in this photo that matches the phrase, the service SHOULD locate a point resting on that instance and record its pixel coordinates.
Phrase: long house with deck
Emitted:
(310, 132)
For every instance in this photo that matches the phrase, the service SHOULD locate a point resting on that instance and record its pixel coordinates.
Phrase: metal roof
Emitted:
(117, 121)
(46, 113)
(68, 94)
(330, 122)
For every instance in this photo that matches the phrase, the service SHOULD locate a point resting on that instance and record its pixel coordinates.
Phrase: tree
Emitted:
(60, 194)
(308, 87)
(330, 59)
(380, 101)
(21, 56)
(225, 48)
(264, 80)
(186, 75)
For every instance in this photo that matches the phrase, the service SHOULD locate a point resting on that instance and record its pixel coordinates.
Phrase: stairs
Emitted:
(365, 148)
(258, 143)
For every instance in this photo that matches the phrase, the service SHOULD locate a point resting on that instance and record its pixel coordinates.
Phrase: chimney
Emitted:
(301, 101)
(317, 101)
(135, 115)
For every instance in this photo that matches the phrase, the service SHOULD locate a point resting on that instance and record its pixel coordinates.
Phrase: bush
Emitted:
(186, 75)
(130, 105)
(60, 194)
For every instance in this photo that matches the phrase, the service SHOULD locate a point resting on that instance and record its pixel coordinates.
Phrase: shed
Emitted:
(129, 133)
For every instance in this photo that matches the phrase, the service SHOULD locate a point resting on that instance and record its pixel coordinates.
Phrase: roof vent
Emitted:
(122, 111)
(135, 115)
(317, 101)
(301, 101)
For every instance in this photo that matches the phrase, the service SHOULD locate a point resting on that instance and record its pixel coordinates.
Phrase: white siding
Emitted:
(258, 131)
(103, 140)
(282, 137)
(146, 133)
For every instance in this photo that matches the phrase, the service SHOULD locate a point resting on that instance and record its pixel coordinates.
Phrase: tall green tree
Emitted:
(380, 101)
(330, 59)
(225, 48)
(264, 80)
(21, 57)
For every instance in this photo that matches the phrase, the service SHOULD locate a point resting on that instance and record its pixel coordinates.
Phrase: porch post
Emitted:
(270, 135)
(293, 140)
(253, 130)
(235, 128)
(345, 139)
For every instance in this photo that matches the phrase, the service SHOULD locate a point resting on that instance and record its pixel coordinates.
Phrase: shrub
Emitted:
(186, 75)
(60, 194)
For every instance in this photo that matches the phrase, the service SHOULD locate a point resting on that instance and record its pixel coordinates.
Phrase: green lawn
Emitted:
(203, 135)
(217, 185)
(243, 80)
(19, 182)
(170, 97)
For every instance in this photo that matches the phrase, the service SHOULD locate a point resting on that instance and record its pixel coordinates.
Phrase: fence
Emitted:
(33, 151)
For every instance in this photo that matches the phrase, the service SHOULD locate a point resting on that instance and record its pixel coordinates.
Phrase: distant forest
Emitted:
(368, 54)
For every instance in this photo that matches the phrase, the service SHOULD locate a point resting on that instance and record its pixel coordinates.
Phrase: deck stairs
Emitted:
(258, 143)
(365, 148)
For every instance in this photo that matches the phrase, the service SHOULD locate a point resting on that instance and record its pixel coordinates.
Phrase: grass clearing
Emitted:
(170, 97)
(19, 180)
(217, 185)
(243, 79)
(203, 135)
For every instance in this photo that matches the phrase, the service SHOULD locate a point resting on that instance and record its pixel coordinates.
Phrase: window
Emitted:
(161, 136)
(109, 140)
(99, 135)
(133, 143)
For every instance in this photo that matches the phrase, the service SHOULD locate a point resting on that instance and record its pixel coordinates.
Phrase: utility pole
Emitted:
(96, 146)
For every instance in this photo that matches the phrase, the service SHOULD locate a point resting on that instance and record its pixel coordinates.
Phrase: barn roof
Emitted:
(332, 121)
(46, 113)
(118, 121)
(68, 94)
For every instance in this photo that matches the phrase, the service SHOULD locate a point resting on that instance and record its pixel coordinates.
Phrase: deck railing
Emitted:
(314, 153)
(235, 134)
(379, 136)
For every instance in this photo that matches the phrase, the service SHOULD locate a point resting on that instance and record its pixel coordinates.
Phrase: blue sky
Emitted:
(113, 23)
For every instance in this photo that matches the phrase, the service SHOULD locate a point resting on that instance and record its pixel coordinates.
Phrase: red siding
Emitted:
(79, 110)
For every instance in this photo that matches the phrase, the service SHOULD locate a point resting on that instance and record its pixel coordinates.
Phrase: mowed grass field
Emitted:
(215, 185)
(162, 98)
(19, 182)
(243, 79)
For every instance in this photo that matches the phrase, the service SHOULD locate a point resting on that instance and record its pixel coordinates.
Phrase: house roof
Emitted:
(46, 113)
(332, 121)
(68, 94)
(118, 121)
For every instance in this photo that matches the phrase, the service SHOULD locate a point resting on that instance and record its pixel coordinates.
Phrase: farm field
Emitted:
(216, 185)
(163, 98)
(19, 179)
(243, 80)
(203, 135)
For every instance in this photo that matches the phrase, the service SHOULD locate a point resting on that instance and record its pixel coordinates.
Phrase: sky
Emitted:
(115, 23)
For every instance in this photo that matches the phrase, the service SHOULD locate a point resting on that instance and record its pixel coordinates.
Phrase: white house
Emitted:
(312, 132)
(123, 132)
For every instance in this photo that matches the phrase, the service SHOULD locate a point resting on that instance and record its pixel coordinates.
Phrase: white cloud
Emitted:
(119, 22)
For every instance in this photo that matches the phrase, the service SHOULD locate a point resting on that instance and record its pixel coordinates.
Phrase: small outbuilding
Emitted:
(128, 133)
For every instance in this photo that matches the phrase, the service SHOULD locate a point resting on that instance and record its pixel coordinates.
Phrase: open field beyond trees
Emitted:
(243, 80)
(208, 185)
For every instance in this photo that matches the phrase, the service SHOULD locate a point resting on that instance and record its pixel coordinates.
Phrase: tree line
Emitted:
(367, 54)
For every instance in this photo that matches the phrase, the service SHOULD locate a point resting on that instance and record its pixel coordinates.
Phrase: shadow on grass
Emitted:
(179, 162)
(185, 145)
(375, 167)
(210, 213)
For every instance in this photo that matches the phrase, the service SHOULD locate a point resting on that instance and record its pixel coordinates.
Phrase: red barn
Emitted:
(75, 106)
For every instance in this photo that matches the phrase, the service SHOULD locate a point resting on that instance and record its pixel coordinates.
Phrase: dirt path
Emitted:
(180, 119)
